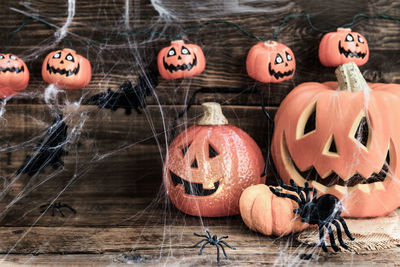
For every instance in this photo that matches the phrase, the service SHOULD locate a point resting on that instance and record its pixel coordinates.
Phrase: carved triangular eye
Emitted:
(362, 133)
(212, 152)
(185, 149)
(194, 164)
(332, 147)
(310, 124)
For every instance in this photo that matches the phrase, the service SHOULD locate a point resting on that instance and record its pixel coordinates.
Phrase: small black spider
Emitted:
(218, 242)
(56, 206)
(322, 211)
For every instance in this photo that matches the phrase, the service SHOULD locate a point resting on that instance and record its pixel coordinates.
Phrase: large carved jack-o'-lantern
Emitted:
(210, 164)
(180, 60)
(14, 75)
(344, 138)
(270, 62)
(343, 46)
(66, 69)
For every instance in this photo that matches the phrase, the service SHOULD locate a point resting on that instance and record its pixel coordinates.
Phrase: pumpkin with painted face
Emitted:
(343, 46)
(180, 60)
(344, 139)
(270, 62)
(14, 75)
(66, 69)
(210, 164)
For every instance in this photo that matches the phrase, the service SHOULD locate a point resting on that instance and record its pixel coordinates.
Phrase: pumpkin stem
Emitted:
(350, 78)
(212, 114)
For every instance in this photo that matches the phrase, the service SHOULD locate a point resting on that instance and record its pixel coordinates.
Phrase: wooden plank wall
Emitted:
(112, 174)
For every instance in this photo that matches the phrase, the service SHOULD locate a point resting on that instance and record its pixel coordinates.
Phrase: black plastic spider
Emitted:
(213, 241)
(322, 211)
(56, 206)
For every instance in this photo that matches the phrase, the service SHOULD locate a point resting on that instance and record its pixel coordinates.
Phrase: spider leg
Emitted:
(307, 191)
(222, 237)
(223, 250)
(297, 211)
(223, 242)
(217, 253)
(196, 234)
(60, 211)
(346, 230)
(279, 194)
(339, 234)
(332, 238)
(64, 205)
(198, 243)
(53, 208)
(208, 233)
(202, 247)
(314, 192)
(322, 237)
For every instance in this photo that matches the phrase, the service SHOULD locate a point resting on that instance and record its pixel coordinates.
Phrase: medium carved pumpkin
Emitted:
(180, 60)
(343, 46)
(344, 138)
(264, 212)
(14, 75)
(270, 62)
(66, 69)
(210, 164)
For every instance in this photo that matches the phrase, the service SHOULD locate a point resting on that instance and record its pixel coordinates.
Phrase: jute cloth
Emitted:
(370, 234)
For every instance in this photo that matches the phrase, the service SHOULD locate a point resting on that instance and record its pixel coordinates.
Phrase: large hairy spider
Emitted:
(322, 211)
(213, 241)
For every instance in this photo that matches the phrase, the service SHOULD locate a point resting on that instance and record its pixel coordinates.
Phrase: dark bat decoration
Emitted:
(129, 97)
(49, 151)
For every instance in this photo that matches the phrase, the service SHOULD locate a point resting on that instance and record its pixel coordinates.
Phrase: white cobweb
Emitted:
(101, 45)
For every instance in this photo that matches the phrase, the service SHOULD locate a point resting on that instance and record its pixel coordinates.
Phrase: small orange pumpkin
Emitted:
(264, 212)
(210, 164)
(180, 60)
(344, 139)
(342, 46)
(66, 69)
(14, 75)
(270, 62)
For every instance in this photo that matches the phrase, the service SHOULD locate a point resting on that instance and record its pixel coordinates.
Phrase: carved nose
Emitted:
(286, 64)
(357, 45)
(179, 57)
(62, 62)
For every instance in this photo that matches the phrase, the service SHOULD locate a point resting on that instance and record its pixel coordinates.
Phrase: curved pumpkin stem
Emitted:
(350, 78)
(212, 114)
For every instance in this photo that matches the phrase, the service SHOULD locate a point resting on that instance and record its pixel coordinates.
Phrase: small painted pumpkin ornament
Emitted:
(14, 75)
(66, 69)
(210, 164)
(270, 62)
(180, 60)
(344, 138)
(343, 46)
(266, 213)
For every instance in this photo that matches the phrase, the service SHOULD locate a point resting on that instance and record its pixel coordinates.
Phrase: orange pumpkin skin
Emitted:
(343, 46)
(270, 62)
(218, 160)
(298, 152)
(66, 69)
(180, 60)
(264, 212)
(14, 75)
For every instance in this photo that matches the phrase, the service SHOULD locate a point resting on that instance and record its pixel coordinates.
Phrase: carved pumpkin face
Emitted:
(180, 60)
(208, 167)
(344, 143)
(14, 75)
(66, 69)
(343, 46)
(270, 62)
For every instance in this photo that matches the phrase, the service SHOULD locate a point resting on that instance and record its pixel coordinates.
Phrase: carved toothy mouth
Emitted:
(171, 68)
(348, 53)
(13, 69)
(279, 74)
(333, 179)
(65, 72)
(195, 189)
